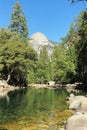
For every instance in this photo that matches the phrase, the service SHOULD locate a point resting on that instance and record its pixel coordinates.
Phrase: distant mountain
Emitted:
(38, 40)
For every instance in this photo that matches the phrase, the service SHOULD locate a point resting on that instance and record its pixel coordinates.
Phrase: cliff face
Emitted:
(38, 40)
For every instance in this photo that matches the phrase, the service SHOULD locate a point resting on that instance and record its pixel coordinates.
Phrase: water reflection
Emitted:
(4, 94)
(33, 105)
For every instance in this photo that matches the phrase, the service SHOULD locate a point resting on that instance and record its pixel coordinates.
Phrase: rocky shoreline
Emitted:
(45, 86)
(5, 88)
(69, 87)
(78, 120)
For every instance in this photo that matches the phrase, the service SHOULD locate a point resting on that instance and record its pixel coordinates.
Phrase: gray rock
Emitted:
(77, 122)
(38, 40)
(78, 103)
(73, 97)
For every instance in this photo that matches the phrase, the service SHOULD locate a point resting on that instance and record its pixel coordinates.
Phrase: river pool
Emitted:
(34, 109)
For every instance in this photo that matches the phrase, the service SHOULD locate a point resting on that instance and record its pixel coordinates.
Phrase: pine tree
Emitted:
(18, 22)
(81, 49)
(63, 67)
(43, 74)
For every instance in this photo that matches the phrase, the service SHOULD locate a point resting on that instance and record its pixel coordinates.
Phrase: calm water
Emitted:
(30, 108)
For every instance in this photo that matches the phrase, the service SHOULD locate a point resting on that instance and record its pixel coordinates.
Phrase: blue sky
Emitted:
(51, 17)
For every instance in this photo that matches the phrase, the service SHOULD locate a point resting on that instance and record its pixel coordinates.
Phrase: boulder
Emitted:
(79, 103)
(72, 97)
(77, 122)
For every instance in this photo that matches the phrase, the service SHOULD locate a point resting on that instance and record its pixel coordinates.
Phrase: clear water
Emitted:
(33, 107)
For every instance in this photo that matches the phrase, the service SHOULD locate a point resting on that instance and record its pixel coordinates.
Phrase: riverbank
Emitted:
(73, 87)
(5, 88)
(41, 86)
(46, 86)
(69, 87)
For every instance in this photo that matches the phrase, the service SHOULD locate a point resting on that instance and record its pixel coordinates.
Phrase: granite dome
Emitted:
(39, 38)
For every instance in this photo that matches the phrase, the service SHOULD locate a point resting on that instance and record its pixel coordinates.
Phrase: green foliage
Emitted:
(18, 22)
(81, 49)
(63, 67)
(69, 42)
(76, 41)
(43, 73)
(6, 35)
(16, 58)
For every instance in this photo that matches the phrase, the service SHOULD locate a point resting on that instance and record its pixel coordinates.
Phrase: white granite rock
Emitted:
(78, 103)
(77, 122)
(38, 40)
